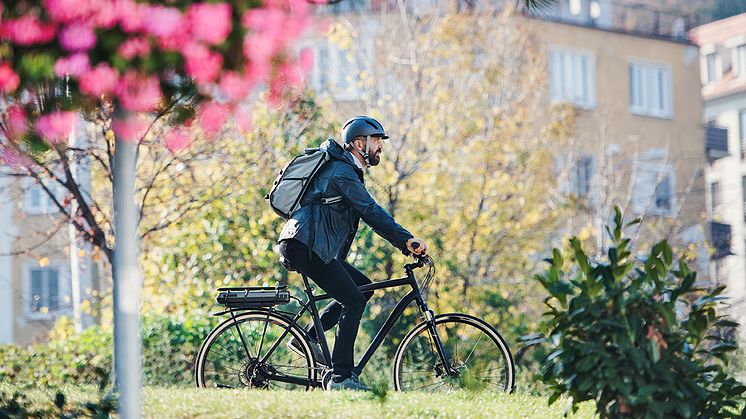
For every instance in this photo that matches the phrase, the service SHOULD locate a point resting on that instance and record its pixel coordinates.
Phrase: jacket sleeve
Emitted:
(353, 191)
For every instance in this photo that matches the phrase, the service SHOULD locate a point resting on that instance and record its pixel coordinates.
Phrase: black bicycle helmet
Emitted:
(362, 126)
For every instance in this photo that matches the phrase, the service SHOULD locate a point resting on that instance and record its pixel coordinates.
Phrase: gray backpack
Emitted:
(293, 180)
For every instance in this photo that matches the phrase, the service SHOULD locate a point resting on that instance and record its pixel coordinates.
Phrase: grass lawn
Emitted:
(189, 402)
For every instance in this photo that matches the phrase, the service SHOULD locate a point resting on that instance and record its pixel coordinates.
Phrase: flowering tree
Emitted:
(133, 62)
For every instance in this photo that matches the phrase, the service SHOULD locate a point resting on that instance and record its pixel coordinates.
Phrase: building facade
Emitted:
(42, 265)
(633, 76)
(723, 68)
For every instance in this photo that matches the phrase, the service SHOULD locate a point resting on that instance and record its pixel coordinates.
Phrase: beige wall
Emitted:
(31, 230)
(611, 122)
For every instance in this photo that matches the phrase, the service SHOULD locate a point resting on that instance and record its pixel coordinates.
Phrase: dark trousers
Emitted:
(340, 280)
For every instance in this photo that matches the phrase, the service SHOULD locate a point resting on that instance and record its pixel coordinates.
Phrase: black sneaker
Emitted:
(318, 356)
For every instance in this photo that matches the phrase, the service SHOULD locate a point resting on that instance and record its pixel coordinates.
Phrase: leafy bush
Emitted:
(169, 346)
(637, 338)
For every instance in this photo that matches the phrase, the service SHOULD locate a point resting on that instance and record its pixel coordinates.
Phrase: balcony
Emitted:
(720, 236)
(716, 142)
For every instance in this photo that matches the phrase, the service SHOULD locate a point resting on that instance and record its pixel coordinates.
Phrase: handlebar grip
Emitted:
(415, 245)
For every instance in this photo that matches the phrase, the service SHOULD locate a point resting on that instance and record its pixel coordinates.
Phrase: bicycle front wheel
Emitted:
(251, 351)
(478, 357)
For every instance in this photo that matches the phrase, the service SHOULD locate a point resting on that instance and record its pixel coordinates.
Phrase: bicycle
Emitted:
(442, 352)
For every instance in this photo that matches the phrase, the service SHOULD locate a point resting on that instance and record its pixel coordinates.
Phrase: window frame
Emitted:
(647, 204)
(742, 132)
(588, 163)
(44, 206)
(558, 94)
(739, 55)
(643, 105)
(336, 56)
(63, 290)
(716, 199)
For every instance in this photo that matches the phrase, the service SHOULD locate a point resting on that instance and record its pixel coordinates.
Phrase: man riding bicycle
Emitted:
(317, 238)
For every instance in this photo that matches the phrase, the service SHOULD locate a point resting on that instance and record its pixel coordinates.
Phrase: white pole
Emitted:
(72, 234)
(127, 282)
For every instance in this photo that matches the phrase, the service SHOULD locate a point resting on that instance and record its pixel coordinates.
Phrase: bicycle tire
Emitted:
(417, 365)
(242, 369)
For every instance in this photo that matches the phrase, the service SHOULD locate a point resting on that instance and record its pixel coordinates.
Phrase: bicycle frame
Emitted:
(396, 313)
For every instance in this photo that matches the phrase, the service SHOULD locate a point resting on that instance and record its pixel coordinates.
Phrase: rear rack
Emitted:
(252, 297)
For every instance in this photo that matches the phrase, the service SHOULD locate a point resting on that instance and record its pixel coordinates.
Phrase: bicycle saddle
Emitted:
(286, 264)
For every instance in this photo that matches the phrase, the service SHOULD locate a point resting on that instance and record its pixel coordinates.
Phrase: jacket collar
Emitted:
(355, 164)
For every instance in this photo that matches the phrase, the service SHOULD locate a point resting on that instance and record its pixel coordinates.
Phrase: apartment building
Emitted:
(723, 67)
(634, 78)
(42, 265)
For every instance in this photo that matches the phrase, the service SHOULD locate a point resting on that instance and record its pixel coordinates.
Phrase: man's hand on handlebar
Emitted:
(417, 247)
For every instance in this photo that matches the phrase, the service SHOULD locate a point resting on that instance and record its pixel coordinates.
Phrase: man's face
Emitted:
(375, 148)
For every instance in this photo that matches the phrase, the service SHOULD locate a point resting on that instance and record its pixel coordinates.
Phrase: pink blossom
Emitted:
(131, 129)
(235, 87)
(306, 60)
(177, 139)
(290, 76)
(162, 21)
(9, 80)
(99, 81)
(209, 22)
(260, 48)
(173, 43)
(201, 63)
(106, 15)
(64, 11)
(77, 37)
(12, 158)
(55, 127)
(212, 116)
(17, 125)
(28, 30)
(244, 119)
(134, 47)
(74, 65)
(138, 94)
(129, 14)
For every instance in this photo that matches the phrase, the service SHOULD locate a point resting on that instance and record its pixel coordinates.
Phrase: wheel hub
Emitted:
(254, 375)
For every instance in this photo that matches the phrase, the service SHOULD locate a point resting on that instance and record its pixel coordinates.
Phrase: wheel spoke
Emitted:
(225, 363)
(419, 367)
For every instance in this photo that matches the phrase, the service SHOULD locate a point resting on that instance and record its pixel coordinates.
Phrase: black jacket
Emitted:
(329, 229)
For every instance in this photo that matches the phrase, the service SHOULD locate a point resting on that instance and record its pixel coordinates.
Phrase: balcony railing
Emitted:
(716, 141)
(720, 237)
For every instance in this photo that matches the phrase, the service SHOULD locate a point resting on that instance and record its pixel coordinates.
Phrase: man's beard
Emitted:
(374, 158)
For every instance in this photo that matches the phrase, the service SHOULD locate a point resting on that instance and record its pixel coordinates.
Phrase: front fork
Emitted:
(429, 316)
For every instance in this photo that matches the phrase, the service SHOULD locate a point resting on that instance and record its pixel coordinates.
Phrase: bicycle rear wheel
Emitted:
(231, 355)
(478, 356)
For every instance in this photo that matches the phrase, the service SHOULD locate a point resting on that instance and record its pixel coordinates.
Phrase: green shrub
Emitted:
(169, 347)
(637, 338)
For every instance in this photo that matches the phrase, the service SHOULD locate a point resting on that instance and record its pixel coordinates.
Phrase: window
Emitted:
(742, 132)
(711, 67)
(716, 200)
(743, 197)
(44, 290)
(583, 175)
(654, 190)
(650, 90)
(721, 274)
(38, 201)
(572, 78)
(740, 62)
(663, 194)
(336, 71)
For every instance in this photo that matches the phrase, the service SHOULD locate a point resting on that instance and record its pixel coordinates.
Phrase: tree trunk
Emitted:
(127, 283)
